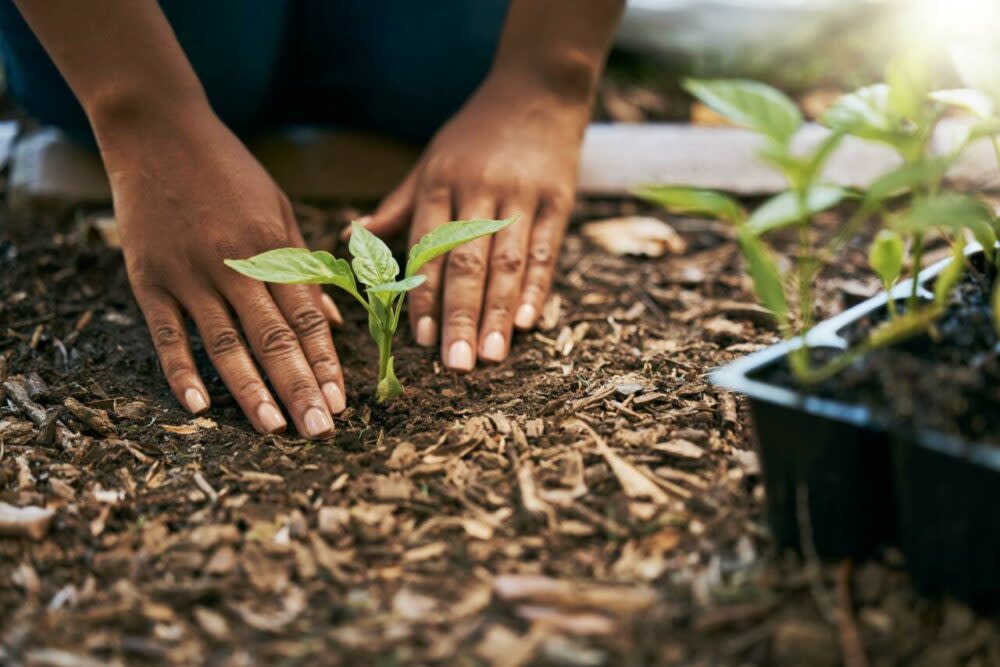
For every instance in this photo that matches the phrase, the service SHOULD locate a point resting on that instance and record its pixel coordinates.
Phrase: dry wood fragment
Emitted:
(635, 235)
(634, 483)
(852, 648)
(17, 392)
(95, 419)
(29, 521)
(680, 448)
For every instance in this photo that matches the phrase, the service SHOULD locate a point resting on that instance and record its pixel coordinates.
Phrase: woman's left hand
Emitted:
(512, 150)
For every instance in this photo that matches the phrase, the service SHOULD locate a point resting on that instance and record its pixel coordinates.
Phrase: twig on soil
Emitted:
(851, 646)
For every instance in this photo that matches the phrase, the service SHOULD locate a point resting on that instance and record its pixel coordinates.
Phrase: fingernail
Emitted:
(331, 310)
(493, 347)
(460, 356)
(426, 331)
(334, 397)
(270, 418)
(525, 317)
(317, 423)
(195, 401)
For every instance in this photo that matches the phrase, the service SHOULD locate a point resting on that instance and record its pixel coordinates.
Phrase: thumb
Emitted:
(394, 213)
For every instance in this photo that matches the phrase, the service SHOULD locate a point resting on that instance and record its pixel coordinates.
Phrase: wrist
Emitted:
(567, 75)
(118, 114)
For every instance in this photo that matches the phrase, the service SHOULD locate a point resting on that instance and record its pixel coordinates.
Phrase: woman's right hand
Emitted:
(187, 195)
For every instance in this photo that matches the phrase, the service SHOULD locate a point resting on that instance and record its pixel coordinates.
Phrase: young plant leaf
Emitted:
(448, 237)
(952, 273)
(783, 210)
(388, 387)
(865, 113)
(996, 306)
(905, 178)
(909, 84)
(950, 211)
(886, 256)
(373, 262)
(750, 104)
(297, 266)
(693, 201)
(975, 102)
(398, 287)
(763, 270)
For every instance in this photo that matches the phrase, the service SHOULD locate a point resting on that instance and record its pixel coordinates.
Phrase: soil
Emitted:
(590, 501)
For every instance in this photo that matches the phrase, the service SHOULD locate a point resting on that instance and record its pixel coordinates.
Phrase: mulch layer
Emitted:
(593, 500)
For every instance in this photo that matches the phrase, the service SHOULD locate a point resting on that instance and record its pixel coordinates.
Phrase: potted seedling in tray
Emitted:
(877, 426)
(374, 267)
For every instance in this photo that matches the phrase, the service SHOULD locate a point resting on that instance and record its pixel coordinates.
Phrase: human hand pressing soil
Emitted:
(511, 151)
(186, 198)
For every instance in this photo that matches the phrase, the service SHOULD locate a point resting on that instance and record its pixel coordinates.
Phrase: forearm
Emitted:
(560, 44)
(120, 58)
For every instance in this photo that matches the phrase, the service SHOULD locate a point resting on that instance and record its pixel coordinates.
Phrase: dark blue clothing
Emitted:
(397, 67)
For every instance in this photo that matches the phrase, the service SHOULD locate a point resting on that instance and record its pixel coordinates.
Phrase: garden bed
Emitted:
(411, 536)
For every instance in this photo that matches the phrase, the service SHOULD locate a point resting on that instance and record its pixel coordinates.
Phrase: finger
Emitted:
(396, 210)
(546, 239)
(309, 322)
(433, 208)
(506, 277)
(229, 355)
(166, 324)
(277, 348)
(463, 287)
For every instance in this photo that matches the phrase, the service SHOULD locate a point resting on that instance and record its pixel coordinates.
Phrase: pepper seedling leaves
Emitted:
(297, 266)
(449, 236)
(866, 113)
(905, 178)
(373, 262)
(950, 211)
(886, 256)
(750, 104)
(907, 76)
(399, 286)
(693, 201)
(975, 102)
(949, 277)
(784, 209)
(765, 275)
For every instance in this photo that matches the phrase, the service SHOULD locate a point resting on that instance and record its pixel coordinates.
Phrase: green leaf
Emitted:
(886, 256)
(909, 84)
(908, 177)
(967, 99)
(388, 387)
(996, 306)
(763, 270)
(398, 287)
(783, 210)
(449, 236)
(750, 104)
(814, 165)
(950, 211)
(989, 127)
(373, 262)
(906, 325)
(693, 201)
(297, 266)
(866, 113)
(950, 275)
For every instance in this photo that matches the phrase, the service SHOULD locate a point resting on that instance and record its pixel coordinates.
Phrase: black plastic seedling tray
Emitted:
(854, 484)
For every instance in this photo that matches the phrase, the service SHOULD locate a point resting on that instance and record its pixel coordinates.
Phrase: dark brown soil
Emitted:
(591, 501)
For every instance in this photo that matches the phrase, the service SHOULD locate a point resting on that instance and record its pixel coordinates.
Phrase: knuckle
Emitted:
(249, 386)
(324, 360)
(308, 321)
(466, 263)
(437, 192)
(223, 341)
(542, 255)
(558, 202)
(176, 371)
(500, 310)
(302, 389)
(167, 336)
(508, 260)
(277, 338)
(461, 318)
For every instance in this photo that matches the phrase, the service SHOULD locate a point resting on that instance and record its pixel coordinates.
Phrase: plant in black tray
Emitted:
(373, 266)
(908, 201)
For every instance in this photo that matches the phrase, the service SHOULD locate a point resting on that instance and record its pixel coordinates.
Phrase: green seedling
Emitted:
(902, 113)
(776, 118)
(374, 267)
